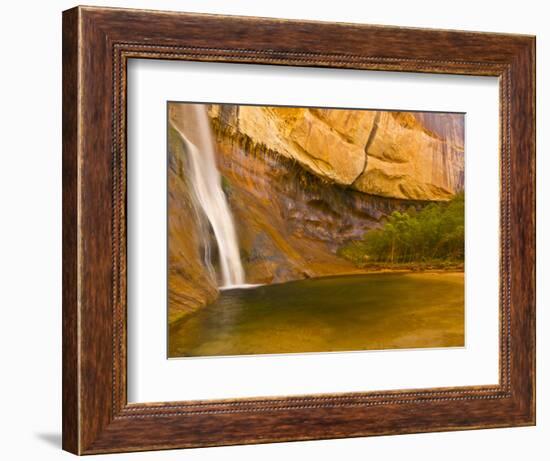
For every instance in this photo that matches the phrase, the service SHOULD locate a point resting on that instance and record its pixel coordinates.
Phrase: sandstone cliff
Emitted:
(404, 155)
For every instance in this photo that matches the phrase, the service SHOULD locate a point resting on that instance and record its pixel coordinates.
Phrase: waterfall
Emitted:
(207, 188)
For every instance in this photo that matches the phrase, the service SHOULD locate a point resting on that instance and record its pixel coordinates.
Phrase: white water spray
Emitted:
(207, 188)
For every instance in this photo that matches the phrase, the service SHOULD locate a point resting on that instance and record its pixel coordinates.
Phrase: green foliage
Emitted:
(355, 251)
(435, 233)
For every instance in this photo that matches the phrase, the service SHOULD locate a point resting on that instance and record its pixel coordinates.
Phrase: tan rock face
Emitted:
(407, 160)
(405, 155)
(333, 153)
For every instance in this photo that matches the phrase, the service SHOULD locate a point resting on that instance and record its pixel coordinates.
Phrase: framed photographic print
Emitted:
(281, 230)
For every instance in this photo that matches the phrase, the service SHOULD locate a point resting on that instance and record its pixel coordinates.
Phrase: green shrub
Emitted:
(435, 233)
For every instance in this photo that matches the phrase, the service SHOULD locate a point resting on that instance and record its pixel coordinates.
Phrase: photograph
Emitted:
(313, 229)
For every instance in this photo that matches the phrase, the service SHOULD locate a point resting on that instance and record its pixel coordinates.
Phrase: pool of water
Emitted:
(344, 313)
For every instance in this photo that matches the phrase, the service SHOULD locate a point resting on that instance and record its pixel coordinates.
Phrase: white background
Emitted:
(30, 243)
(152, 378)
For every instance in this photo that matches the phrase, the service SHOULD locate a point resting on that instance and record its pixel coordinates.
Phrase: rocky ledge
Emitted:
(403, 155)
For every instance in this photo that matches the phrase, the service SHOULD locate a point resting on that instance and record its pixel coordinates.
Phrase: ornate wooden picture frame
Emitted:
(97, 44)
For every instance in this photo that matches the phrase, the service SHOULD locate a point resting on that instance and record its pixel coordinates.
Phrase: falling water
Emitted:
(206, 184)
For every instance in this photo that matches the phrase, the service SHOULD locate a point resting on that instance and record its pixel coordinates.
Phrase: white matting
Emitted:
(152, 377)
